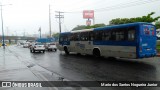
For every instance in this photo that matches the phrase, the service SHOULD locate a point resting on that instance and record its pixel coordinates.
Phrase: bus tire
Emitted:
(66, 50)
(96, 52)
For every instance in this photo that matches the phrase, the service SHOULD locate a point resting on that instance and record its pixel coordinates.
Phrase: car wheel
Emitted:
(55, 50)
(33, 51)
(30, 50)
(43, 51)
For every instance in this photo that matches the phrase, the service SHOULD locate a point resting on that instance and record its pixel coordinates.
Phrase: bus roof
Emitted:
(65, 32)
(83, 30)
(121, 25)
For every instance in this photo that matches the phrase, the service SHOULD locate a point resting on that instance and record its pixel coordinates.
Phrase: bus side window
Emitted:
(86, 36)
(71, 37)
(67, 38)
(75, 36)
(131, 35)
(125, 34)
(103, 35)
(108, 35)
(99, 35)
(113, 35)
(91, 36)
(96, 35)
(82, 36)
(120, 34)
(61, 39)
(64, 38)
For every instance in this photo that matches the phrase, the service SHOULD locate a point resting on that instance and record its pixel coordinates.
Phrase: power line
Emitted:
(125, 5)
(120, 6)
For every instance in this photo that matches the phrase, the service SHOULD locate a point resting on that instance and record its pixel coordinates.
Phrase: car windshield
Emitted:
(38, 44)
(52, 44)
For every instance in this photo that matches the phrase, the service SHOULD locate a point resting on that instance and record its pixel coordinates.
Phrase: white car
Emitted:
(37, 47)
(26, 45)
(51, 47)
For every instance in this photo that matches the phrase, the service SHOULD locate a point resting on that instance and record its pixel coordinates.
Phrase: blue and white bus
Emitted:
(132, 40)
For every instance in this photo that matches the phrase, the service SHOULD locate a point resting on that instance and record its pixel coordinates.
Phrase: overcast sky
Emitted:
(28, 15)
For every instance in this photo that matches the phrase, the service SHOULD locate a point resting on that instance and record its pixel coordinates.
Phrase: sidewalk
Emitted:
(12, 69)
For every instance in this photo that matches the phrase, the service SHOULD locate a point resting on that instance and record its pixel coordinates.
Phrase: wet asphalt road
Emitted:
(87, 68)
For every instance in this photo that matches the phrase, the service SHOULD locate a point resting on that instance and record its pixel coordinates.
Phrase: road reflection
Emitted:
(102, 69)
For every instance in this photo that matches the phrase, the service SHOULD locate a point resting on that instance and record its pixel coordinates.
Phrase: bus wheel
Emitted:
(66, 50)
(96, 53)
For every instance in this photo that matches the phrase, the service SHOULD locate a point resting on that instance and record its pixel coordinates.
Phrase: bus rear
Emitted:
(147, 41)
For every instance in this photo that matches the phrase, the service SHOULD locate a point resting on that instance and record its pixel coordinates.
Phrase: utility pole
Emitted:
(59, 16)
(50, 33)
(39, 32)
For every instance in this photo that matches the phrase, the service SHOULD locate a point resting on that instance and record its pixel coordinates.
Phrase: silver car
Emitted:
(51, 47)
(37, 47)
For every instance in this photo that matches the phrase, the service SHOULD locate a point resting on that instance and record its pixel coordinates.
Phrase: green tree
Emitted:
(80, 27)
(55, 35)
(157, 24)
(95, 26)
(146, 18)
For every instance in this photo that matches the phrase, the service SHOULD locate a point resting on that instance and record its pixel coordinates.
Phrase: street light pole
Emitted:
(50, 32)
(3, 44)
(2, 29)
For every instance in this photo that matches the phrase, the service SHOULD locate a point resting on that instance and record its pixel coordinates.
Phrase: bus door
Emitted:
(85, 43)
(147, 43)
(74, 38)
